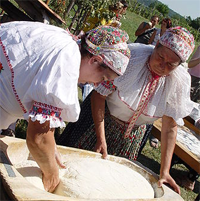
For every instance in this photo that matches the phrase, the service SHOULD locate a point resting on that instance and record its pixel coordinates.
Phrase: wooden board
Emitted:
(180, 150)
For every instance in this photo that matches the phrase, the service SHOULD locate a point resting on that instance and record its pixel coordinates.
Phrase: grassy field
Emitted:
(150, 157)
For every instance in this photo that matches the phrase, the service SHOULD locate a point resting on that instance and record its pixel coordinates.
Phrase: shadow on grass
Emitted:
(149, 163)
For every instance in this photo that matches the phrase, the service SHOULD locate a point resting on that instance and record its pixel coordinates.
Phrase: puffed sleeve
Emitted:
(53, 93)
(179, 104)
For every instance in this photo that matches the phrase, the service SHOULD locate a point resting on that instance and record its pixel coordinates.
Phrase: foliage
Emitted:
(162, 8)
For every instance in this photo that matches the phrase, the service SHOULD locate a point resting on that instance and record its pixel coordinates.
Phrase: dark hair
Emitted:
(83, 44)
(168, 21)
(124, 3)
(155, 17)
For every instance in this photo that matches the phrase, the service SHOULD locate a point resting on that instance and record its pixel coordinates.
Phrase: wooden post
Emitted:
(47, 2)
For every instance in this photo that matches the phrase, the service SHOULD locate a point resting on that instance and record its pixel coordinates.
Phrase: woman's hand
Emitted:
(58, 158)
(51, 180)
(101, 147)
(41, 144)
(167, 179)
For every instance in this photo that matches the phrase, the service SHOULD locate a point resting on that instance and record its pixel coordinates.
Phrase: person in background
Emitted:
(125, 7)
(114, 116)
(145, 30)
(194, 70)
(165, 24)
(40, 68)
(118, 9)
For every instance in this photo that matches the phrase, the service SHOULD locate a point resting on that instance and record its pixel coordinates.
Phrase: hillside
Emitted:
(148, 2)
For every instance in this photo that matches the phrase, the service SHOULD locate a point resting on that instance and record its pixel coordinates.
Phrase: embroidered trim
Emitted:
(148, 92)
(12, 76)
(46, 111)
(1, 67)
(109, 85)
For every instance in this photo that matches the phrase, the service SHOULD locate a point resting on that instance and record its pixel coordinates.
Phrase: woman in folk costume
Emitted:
(113, 117)
(40, 67)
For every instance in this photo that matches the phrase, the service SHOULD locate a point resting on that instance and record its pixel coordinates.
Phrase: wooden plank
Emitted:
(191, 126)
(180, 150)
(41, 5)
(28, 7)
(13, 11)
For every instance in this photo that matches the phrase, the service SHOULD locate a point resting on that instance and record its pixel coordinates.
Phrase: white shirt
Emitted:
(44, 61)
(171, 97)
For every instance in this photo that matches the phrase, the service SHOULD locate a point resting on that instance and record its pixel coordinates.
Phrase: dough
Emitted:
(92, 178)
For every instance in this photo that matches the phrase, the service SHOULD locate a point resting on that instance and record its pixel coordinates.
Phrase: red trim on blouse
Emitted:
(12, 76)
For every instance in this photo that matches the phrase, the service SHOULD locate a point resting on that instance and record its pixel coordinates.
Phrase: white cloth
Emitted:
(189, 139)
(44, 61)
(171, 98)
(157, 37)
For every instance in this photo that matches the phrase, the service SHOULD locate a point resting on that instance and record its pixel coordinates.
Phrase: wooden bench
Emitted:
(180, 150)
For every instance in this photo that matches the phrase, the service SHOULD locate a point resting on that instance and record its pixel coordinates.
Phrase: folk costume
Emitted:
(39, 70)
(136, 98)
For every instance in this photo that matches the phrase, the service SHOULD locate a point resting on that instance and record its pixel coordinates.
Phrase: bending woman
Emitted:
(153, 86)
(40, 67)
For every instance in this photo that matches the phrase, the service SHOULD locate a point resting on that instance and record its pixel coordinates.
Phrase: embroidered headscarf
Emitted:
(179, 40)
(110, 43)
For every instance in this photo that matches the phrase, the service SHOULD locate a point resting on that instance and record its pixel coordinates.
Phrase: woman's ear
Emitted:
(96, 59)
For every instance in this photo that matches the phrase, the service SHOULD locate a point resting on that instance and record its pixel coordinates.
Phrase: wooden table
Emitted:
(180, 150)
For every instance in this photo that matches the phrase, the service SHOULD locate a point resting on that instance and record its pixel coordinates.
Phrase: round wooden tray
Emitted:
(14, 151)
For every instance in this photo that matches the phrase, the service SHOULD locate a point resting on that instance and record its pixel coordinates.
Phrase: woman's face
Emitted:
(94, 72)
(163, 24)
(163, 60)
(154, 21)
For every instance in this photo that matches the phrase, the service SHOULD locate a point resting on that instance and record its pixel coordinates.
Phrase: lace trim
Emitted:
(106, 88)
(43, 112)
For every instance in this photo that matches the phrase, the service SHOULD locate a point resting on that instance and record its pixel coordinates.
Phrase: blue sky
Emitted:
(184, 7)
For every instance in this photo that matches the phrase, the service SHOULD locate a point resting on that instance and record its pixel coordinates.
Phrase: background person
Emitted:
(113, 117)
(40, 68)
(145, 30)
(194, 70)
(118, 9)
(165, 24)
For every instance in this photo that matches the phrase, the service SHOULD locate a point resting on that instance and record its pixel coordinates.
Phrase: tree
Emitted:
(195, 23)
(162, 8)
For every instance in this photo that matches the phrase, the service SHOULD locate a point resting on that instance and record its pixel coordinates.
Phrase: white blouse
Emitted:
(157, 36)
(40, 72)
(171, 96)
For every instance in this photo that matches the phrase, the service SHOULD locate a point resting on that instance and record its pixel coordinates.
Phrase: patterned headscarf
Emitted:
(110, 43)
(179, 40)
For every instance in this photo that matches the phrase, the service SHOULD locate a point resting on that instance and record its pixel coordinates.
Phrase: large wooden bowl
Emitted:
(14, 151)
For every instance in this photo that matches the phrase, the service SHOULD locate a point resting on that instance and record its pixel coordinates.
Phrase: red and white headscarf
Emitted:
(179, 40)
(111, 44)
